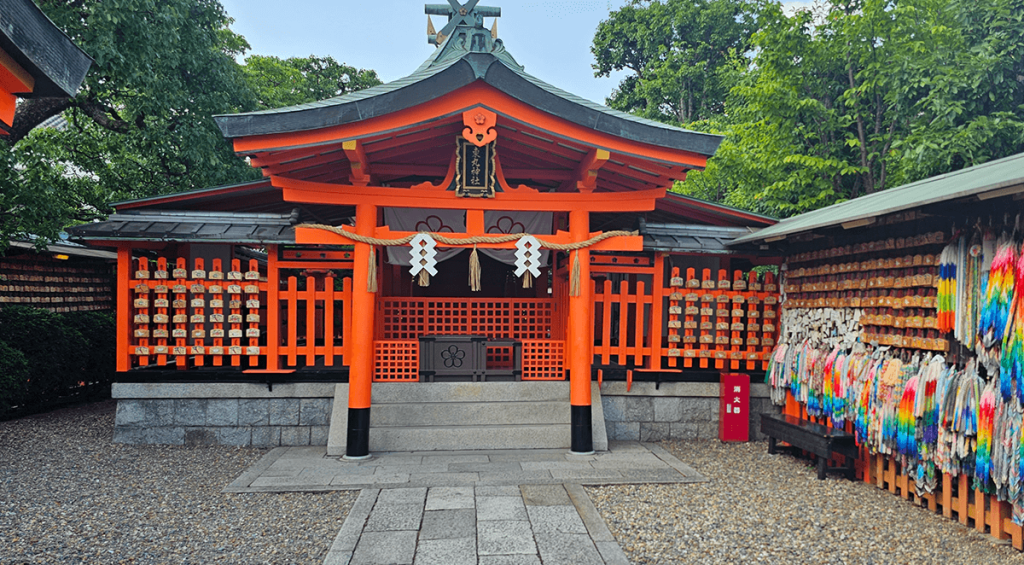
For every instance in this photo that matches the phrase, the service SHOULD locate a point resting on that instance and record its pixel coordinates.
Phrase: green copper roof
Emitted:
(977, 180)
(468, 55)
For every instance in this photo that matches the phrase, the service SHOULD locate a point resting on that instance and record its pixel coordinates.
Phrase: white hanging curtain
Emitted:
(454, 221)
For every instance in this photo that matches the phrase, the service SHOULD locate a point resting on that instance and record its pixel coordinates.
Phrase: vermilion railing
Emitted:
(621, 319)
(543, 360)
(314, 321)
(509, 318)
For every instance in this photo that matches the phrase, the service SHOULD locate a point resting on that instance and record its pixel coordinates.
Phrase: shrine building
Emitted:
(466, 235)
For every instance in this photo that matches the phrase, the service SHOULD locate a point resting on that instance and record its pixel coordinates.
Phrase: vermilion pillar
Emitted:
(124, 306)
(580, 357)
(360, 375)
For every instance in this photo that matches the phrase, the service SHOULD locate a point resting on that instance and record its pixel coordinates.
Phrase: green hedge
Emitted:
(45, 356)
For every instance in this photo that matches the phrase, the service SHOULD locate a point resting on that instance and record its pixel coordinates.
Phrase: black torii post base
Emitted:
(358, 445)
(582, 430)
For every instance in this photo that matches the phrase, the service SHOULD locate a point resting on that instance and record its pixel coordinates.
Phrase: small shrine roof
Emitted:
(690, 238)
(30, 38)
(459, 62)
(193, 226)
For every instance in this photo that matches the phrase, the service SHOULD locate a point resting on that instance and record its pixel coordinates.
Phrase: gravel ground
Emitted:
(761, 508)
(69, 495)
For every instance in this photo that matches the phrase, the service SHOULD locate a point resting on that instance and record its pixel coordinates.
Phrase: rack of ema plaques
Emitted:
(195, 318)
(728, 322)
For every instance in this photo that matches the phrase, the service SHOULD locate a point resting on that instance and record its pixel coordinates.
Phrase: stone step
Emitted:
(466, 416)
(450, 438)
(469, 413)
(526, 391)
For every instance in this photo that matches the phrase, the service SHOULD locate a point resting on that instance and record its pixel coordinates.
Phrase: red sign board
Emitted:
(734, 408)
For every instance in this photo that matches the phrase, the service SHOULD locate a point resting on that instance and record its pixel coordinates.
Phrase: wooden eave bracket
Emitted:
(357, 158)
(586, 173)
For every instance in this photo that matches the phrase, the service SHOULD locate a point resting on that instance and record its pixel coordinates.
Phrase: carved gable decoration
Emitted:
(474, 169)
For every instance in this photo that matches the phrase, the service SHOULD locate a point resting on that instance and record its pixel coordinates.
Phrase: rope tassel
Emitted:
(424, 278)
(574, 277)
(474, 270)
(371, 271)
(527, 279)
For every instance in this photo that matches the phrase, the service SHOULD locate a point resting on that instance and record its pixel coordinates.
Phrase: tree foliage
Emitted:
(142, 122)
(678, 53)
(285, 82)
(856, 96)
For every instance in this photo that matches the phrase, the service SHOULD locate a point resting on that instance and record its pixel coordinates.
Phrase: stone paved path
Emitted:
(522, 507)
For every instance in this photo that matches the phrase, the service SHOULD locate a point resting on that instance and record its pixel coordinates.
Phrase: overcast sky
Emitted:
(551, 38)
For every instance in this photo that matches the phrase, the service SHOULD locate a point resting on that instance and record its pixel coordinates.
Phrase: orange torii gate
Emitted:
(580, 326)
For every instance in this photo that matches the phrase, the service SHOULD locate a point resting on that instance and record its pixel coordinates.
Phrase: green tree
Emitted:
(141, 123)
(296, 80)
(862, 95)
(678, 53)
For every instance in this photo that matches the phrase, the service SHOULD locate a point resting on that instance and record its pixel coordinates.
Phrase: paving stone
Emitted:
(568, 549)
(573, 474)
(446, 552)
(612, 553)
(547, 465)
(505, 537)
(402, 496)
(222, 412)
(556, 519)
(450, 459)
(498, 491)
(516, 478)
(418, 469)
(532, 455)
(448, 524)
(500, 508)
(284, 412)
(376, 548)
(394, 459)
(449, 498)
(393, 517)
(444, 479)
(253, 412)
(504, 467)
(544, 495)
(365, 480)
(509, 560)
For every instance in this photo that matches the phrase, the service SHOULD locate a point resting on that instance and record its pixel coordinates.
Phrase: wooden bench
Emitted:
(820, 440)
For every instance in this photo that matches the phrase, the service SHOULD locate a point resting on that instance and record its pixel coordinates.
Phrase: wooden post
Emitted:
(582, 439)
(273, 309)
(124, 306)
(361, 368)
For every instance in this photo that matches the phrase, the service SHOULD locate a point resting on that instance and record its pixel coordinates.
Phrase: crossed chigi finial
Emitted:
(468, 14)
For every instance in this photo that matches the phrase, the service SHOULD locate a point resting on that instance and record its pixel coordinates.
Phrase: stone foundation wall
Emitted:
(241, 414)
(673, 410)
